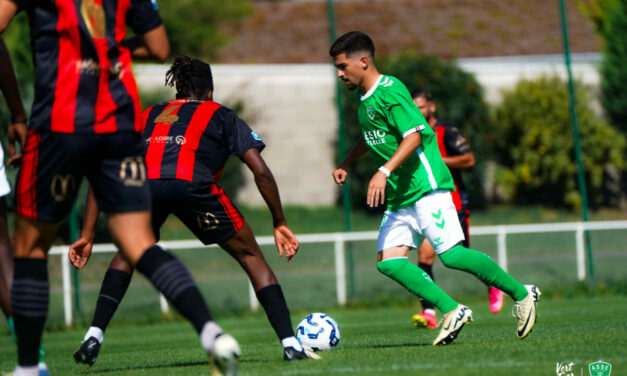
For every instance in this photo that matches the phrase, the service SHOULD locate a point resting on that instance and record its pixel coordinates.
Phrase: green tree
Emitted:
(610, 20)
(458, 97)
(193, 26)
(535, 145)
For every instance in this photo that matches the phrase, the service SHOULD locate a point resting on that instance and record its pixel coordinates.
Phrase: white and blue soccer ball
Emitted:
(319, 332)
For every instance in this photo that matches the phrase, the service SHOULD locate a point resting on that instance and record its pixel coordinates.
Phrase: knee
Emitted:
(390, 267)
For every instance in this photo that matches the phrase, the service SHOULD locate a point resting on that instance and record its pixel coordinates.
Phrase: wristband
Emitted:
(385, 171)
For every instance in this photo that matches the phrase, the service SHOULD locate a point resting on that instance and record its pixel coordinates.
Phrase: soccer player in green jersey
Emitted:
(417, 185)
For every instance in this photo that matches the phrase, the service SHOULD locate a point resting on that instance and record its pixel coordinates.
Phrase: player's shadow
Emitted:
(392, 345)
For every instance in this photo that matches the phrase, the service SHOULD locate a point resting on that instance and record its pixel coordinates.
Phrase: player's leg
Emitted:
(426, 318)
(442, 228)
(6, 261)
(114, 286)
(244, 248)
(122, 192)
(213, 218)
(47, 183)
(399, 232)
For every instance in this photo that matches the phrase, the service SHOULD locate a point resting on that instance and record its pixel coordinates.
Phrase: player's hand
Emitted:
(16, 133)
(80, 252)
(376, 190)
(286, 242)
(339, 175)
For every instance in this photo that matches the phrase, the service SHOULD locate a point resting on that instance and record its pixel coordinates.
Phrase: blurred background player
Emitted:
(16, 129)
(457, 156)
(85, 121)
(188, 141)
(417, 184)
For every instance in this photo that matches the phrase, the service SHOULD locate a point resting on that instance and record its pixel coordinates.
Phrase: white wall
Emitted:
(292, 108)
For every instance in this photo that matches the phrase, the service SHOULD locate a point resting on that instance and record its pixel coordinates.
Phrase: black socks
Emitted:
(429, 270)
(273, 302)
(29, 299)
(172, 279)
(113, 288)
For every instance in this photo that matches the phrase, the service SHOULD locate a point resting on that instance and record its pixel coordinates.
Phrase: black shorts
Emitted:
(203, 208)
(464, 219)
(53, 165)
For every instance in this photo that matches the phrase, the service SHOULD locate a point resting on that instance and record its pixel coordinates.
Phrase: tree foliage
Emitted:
(459, 100)
(534, 145)
(610, 20)
(193, 26)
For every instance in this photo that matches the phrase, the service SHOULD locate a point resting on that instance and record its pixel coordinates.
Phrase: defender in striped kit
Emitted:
(187, 143)
(85, 123)
(417, 185)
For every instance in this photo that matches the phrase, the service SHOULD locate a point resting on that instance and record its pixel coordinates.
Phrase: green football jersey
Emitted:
(386, 115)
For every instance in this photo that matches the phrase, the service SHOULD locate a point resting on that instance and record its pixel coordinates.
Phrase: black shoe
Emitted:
(88, 352)
(290, 353)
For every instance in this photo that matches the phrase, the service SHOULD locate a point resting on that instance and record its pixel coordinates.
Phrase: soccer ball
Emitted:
(319, 332)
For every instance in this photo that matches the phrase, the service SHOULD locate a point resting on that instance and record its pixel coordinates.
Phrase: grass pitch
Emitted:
(377, 341)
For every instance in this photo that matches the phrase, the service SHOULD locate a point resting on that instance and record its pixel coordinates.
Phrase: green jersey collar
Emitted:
(372, 89)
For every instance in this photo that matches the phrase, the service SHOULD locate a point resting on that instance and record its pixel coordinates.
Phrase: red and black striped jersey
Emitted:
(192, 140)
(451, 142)
(83, 77)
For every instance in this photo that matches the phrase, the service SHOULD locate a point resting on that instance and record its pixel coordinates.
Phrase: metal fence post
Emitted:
(67, 287)
(581, 259)
(340, 270)
(502, 247)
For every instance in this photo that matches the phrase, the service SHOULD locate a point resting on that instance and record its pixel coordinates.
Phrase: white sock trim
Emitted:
(208, 335)
(291, 342)
(26, 371)
(95, 332)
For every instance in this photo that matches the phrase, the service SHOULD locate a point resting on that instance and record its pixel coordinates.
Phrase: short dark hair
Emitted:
(192, 77)
(417, 93)
(353, 41)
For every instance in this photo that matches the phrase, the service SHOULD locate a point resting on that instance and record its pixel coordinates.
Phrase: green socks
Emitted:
(418, 282)
(12, 328)
(482, 266)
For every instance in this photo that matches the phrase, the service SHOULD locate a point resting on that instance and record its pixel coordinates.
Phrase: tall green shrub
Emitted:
(614, 69)
(459, 99)
(534, 143)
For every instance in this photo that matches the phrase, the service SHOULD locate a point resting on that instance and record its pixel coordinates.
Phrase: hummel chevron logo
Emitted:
(437, 216)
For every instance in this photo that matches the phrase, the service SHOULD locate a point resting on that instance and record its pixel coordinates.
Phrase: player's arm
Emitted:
(284, 238)
(341, 172)
(151, 45)
(460, 156)
(8, 85)
(80, 251)
(376, 187)
(8, 10)
(460, 162)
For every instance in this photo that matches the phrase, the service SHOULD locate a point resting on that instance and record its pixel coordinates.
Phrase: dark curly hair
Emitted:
(191, 76)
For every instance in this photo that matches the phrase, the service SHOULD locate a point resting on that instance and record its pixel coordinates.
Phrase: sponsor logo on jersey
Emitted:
(154, 4)
(181, 140)
(255, 136)
(160, 139)
(375, 137)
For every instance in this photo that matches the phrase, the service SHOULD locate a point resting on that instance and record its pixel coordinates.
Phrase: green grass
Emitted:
(377, 341)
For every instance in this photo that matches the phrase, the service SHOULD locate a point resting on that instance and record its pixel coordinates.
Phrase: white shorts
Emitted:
(5, 188)
(433, 217)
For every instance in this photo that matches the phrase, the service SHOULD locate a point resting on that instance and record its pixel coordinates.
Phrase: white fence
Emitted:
(340, 239)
